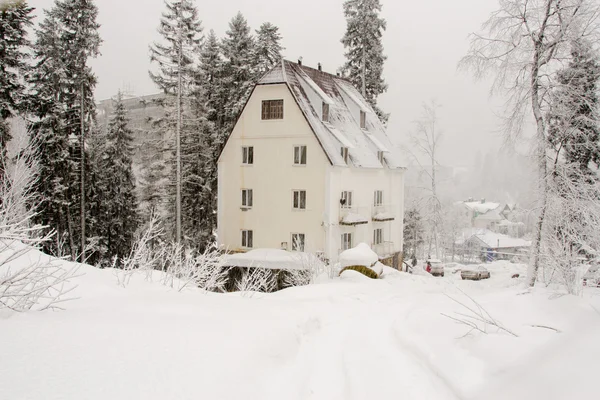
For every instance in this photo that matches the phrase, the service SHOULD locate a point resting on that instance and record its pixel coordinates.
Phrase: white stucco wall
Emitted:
(272, 177)
(363, 183)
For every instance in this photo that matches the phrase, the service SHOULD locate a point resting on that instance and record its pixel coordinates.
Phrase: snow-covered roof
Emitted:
(498, 241)
(311, 88)
(266, 258)
(481, 207)
(352, 218)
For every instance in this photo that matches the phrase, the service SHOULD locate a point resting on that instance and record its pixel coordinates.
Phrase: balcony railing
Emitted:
(383, 213)
(384, 249)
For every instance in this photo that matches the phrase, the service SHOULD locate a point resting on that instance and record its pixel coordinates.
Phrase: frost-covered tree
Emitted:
(181, 32)
(413, 232)
(239, 68)
(268, 47)
(364, 50)
(118, 209)
(15, 19)
(523, 45)
(63, 104)
(574, 117)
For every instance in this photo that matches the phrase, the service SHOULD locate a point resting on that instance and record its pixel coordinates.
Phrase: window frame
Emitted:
(303, 242)
(325, 112)
(298, 192)
(377, 236)
(272, 110)
(247, 155)
(247, 197)
(298, 148)
(346, 194)
(347, 239)
(248, 238)
(344, 153)
(378, 198)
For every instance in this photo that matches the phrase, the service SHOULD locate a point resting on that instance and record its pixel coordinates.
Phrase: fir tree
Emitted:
(240, 69)
(413, 231)
(364, 55)
(118, 209)
(268, 47)
(15, 18)
(182, 34)
(574, 118)
(61, 82)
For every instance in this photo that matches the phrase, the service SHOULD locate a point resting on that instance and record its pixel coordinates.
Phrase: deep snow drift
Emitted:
(350, 338)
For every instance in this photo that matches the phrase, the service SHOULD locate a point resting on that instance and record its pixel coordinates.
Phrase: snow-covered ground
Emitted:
(350, 338)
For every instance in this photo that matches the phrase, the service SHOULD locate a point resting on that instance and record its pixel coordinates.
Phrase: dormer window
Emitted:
(325, 112)
(363, 120)
(344, 153)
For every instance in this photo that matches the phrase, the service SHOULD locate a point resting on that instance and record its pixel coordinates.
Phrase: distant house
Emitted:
(493, 216)
(494, 245)
(309, 167)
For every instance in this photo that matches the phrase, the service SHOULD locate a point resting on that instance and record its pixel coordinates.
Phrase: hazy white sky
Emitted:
(424, 41)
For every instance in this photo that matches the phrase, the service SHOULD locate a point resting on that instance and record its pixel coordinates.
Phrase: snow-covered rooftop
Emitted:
(311, 88)
(498, 241)
(481, 207)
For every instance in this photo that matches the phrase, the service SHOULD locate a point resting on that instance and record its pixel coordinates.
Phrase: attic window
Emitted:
(272, 109)
(344, 153)
(325, 112)
(363, 120)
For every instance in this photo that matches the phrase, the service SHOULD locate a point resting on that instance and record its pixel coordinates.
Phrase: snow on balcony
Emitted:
(383, 213)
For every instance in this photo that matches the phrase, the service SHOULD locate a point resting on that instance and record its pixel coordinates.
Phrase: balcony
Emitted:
(384, 249)
(383, 213)
(352, 216)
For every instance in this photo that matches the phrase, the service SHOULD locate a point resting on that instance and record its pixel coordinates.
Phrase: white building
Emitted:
(309, 167)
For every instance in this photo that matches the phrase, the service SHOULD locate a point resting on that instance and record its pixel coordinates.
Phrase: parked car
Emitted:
(437, 268)
(475, 274)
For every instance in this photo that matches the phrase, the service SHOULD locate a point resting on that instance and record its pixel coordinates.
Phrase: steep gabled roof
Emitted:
(311, 88)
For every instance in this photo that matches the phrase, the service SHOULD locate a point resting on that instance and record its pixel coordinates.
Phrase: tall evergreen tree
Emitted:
(181, 31)
(413, 232)
(574, 118)
(268, 47)
(240, 68)
(118, 209)
(364, 50)
(62, 82)
(15, 18)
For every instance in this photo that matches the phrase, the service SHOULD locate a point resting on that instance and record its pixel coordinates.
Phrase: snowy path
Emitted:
(347, 339)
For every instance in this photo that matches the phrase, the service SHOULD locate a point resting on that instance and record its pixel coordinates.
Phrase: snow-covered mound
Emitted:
(359, 255)
(348, 338)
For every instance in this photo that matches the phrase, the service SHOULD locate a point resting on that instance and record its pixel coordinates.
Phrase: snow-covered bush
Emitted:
(359, 255)
(366, 271)
(27, 281)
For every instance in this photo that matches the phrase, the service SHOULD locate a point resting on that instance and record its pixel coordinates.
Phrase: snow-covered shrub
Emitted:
(359, 255)
(366, 271)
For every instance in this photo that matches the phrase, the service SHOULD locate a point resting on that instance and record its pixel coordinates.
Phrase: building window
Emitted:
(298, 241)
(247, 155)
(346, 241)
(299, 155)
(272, 109)
(344, 153)
(247, 198)
(380, 157)
(299, 200)
(378, 236)
(363, 120)
(346, 199)
(378, 201)
(247, 239)
(325, 112)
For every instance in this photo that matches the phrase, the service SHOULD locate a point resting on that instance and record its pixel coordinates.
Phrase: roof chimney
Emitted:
(338, 74)
(300, 61)
(319, 67)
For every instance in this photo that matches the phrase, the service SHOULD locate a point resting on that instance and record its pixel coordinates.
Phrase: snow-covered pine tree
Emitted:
(364, 50)
(413, 232)
(574, 117)
(62, 82)
(181, 31)
(240, 70)
(15, 18)
(268, 47)
(119, 206)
